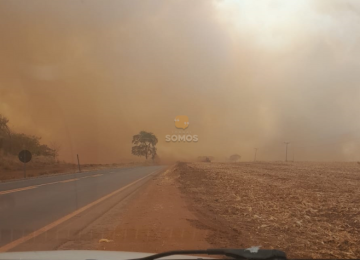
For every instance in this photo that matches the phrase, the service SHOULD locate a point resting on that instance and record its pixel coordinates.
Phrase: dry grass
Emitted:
(306, 209)
(11, 168)
(12, 163)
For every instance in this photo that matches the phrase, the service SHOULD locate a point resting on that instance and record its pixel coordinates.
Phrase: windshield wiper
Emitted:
(253, 253)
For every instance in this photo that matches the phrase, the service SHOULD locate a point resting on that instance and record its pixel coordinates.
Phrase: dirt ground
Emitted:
(309, 210)
(154, 219)
(158, 221)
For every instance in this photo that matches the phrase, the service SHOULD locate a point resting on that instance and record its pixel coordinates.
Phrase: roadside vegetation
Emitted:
(234, 158)
(45, 157)
(44, 160)
(11, 142)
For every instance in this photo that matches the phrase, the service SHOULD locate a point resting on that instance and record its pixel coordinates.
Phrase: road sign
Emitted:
(25, 156)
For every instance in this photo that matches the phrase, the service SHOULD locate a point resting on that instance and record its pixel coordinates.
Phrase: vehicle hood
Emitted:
(81, 255)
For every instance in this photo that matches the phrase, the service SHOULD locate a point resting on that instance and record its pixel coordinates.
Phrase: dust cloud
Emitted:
(90, 74)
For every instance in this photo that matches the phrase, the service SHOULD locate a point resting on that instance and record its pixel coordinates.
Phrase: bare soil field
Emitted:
(306, 209)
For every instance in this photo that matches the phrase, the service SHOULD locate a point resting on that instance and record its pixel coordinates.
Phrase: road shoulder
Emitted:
(153, 219)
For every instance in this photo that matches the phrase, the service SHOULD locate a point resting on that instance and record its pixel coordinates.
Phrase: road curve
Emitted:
(28, 205)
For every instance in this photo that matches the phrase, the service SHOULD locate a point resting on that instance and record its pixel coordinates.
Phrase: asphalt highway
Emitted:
(28, 205)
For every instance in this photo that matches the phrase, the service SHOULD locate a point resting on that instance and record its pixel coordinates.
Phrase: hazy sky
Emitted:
(90, 74)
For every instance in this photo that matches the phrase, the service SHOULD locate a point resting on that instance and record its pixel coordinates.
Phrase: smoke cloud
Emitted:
(91, 74)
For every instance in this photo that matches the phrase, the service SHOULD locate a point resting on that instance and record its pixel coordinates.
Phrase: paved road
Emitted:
(28, 205)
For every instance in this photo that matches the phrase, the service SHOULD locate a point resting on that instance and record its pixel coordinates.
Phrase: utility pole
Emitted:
(78, 162)
(256, 149)
(24, 165)
(293, 153)
(286, 143)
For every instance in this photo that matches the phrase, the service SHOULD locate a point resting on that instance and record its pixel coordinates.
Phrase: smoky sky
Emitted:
(91, 74)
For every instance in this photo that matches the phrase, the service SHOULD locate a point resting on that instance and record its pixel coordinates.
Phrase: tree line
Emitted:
(11, 142)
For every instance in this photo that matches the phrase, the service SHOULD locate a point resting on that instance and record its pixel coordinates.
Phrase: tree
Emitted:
(144, 144)
(5, 134)
(56, 147)
(4, 128)
(206, 158)
(235, 158)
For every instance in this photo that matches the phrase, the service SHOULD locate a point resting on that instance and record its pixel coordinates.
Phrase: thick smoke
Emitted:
(90, 74)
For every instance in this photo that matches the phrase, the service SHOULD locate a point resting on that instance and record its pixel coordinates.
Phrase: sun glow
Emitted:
(274, 23)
